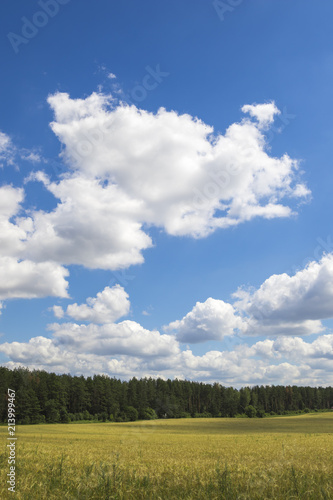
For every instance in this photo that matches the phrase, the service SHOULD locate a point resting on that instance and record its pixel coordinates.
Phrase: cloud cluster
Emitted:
(128, 170)
(23, 278)
(283, 305)
(181, 175)
(264, 113)
(292, 305)
(211, 320)
(286, 360)
(28, 280)
(128, 338)
(127, 349)
(11, 155)
(108, 306)
(94, 225)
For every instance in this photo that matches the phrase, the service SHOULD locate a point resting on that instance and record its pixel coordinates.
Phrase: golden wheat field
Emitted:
(278, 458)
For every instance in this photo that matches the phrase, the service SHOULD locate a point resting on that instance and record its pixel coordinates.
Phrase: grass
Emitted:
(280, 458)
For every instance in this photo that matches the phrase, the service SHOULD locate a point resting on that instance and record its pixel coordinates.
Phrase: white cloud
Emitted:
(283, 305)
(94, 225)
(179, 174)
(283, 361)
(295, 348)
(29, 280)
(127, 337)
(72, 342)
(31, 156)
(130, 169)
(264, 113)
(127, 349)
(10, 153)
(58, 312)
(270, 327)
(11, 235)
(301, 191)
(23, 278)
(6, 149)
(10, 199)
(290, 304)
(4, 142)
(39, 350)
(109, 305)
(211, 320)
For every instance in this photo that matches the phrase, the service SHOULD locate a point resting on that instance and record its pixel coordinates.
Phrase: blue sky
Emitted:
(123, 203)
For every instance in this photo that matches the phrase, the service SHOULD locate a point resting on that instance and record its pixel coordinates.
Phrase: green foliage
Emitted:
(149, 414)
(64, 416)
(203, 415)
(51, 412)
(86, 415)
(261, 413)
(42, 396)
(131, 413)
(250, 411)
(184, 414)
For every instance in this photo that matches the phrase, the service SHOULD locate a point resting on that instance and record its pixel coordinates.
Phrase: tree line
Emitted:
(47, 397)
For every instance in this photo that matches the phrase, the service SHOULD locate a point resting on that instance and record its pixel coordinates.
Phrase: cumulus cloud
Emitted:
(94, 225)
(108, 306)
(126, 349)
(211, 320)
(180, 174)
(28, 280)
(295, 348)
(283, 361)
(21, 277)
(264, 113)
(58, 312)
(11, 235)
(290, 304)
(128, 170)
(127, 337)
(282, 305)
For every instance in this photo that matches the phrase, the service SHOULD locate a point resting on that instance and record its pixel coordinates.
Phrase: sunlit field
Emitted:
(282, 458)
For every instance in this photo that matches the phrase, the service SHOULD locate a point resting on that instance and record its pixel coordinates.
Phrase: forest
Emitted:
(47, 397)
